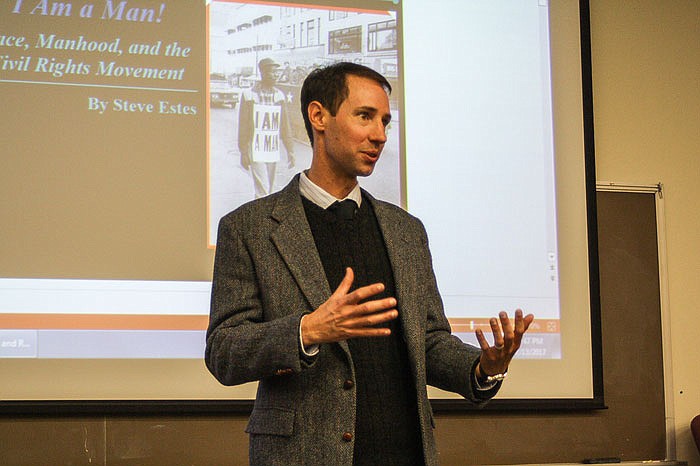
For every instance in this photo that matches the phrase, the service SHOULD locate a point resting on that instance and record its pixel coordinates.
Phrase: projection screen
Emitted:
(121, 127)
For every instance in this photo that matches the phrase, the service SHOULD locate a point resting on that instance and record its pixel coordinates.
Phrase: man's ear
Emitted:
(318, 116)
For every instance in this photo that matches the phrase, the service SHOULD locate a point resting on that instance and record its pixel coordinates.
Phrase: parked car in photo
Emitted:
(221, 93)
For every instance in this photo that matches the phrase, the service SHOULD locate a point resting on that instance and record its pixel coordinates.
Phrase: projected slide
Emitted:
(130, 128)
(126, 80)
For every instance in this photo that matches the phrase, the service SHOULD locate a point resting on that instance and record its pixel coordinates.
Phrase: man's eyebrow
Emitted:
(365, 108)
(373, 111)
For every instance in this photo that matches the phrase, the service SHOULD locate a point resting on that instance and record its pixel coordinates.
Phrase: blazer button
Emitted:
(347, 436)
(348, 384)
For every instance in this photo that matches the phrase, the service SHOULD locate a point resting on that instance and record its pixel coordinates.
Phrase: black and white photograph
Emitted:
(259, 56)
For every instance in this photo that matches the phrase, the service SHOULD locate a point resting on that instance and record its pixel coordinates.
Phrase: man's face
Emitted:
(354, 138)
(270, 73)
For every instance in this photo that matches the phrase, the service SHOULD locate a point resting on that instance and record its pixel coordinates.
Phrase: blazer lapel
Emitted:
(295, 243)
(400, 250)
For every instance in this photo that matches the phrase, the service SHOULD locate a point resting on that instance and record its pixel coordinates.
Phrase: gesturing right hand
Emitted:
(341, 317)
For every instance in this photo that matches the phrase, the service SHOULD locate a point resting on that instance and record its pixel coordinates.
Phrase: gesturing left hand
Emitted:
(506, 338)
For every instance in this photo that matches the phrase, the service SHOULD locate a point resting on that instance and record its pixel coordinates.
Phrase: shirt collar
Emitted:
(322, 198)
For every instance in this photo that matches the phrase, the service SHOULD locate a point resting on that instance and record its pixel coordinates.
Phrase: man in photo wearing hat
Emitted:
(263, 128)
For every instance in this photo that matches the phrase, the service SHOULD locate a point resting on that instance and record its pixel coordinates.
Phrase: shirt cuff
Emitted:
(312, 350)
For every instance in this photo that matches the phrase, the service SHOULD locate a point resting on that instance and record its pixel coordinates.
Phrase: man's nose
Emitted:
(378, 133)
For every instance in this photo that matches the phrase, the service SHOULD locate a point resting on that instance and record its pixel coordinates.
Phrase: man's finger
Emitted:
(364, 292)
(507, 326)
(481, 339)
(369, 332)
(345, 283)
(527, 320)
(521, 325)
(372, 307)
(368, 321)
(497, 334)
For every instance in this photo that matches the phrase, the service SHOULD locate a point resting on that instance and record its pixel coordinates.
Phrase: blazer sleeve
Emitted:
(242, 345)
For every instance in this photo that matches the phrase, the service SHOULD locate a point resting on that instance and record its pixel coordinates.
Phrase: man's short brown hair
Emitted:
(328, 85)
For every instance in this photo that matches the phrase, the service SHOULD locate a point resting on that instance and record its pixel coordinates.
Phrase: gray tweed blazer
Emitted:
(267, 274)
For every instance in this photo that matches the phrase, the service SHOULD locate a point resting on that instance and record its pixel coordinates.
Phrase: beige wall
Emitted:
(646, 85)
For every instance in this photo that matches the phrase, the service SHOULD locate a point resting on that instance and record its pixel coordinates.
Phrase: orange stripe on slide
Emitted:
(103, 322)
(193, 322)
(468, 325)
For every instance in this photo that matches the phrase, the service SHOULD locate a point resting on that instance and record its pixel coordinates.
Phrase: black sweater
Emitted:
(387, 430)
